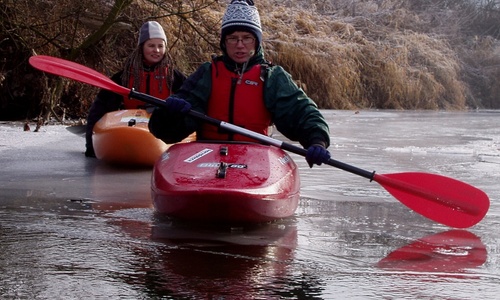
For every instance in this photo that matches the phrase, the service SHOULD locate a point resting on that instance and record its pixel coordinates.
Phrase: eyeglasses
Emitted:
(234, 40)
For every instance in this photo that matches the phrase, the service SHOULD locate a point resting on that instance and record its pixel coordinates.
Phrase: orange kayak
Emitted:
(122, 137)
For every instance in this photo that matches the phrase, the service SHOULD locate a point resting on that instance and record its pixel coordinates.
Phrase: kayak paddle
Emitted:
(439, 198)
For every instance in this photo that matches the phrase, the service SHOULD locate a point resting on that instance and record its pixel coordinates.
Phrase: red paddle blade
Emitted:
(77, 72)
(439, 198)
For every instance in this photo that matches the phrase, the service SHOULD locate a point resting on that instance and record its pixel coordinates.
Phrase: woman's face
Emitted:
(240, 46)
(154, 51)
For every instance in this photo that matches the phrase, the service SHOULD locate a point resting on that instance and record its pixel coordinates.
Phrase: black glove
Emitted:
(317, 154)
(177, 105)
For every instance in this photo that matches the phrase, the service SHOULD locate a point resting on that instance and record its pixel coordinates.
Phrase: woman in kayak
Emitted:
(242, 88)
(149, 69)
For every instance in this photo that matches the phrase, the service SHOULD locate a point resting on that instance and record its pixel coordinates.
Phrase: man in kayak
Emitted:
(242, 88)
(148, 69)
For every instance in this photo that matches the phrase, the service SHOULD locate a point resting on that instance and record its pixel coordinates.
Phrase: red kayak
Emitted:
(225, 183)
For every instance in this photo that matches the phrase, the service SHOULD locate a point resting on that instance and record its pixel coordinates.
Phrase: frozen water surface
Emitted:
(75, 228)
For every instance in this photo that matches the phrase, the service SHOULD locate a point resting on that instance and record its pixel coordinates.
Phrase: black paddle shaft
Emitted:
(254, 135)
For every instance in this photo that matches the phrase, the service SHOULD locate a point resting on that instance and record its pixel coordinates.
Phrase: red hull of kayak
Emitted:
(226, 182)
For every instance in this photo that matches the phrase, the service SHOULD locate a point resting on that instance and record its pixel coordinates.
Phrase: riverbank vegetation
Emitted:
(387, 54)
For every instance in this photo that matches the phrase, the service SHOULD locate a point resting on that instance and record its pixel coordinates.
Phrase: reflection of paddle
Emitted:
(450, 251)
(442, 199)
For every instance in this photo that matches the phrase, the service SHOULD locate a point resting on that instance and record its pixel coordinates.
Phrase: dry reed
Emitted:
(345, 54)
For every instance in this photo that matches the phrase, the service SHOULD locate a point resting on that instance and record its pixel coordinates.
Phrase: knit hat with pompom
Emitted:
(241, 15)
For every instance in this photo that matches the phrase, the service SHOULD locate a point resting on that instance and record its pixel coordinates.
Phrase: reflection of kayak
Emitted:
(204, 261)
(225, 182)
(122, 137)
(450, 251)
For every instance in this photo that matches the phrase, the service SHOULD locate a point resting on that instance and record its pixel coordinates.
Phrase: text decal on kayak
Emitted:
(198, 155)
(216, 165)
(285, 159)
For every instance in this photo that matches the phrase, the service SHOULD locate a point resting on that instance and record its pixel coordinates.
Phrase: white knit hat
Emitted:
(151, 30)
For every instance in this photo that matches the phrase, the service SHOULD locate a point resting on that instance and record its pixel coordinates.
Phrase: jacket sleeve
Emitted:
(104, 102)
(173, 128)
(179, 79)
(294, 114)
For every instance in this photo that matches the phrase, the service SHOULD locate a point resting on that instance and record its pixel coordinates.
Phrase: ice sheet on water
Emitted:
(13, 136)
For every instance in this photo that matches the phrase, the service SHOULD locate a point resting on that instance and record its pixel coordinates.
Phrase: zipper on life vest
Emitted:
(234, 84)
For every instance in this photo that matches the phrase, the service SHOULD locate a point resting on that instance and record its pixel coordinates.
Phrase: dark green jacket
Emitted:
(293, 113)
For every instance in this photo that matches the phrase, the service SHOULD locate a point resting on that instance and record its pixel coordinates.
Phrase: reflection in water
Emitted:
(117, 187)
(219, 262)
(453, 251)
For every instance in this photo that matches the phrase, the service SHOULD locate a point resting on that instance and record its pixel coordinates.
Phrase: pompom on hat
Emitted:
(241, 15)
(151, 30)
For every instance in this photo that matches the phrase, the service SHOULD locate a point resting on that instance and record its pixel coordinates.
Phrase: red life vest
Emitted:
(149, 85)
(236, 100)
